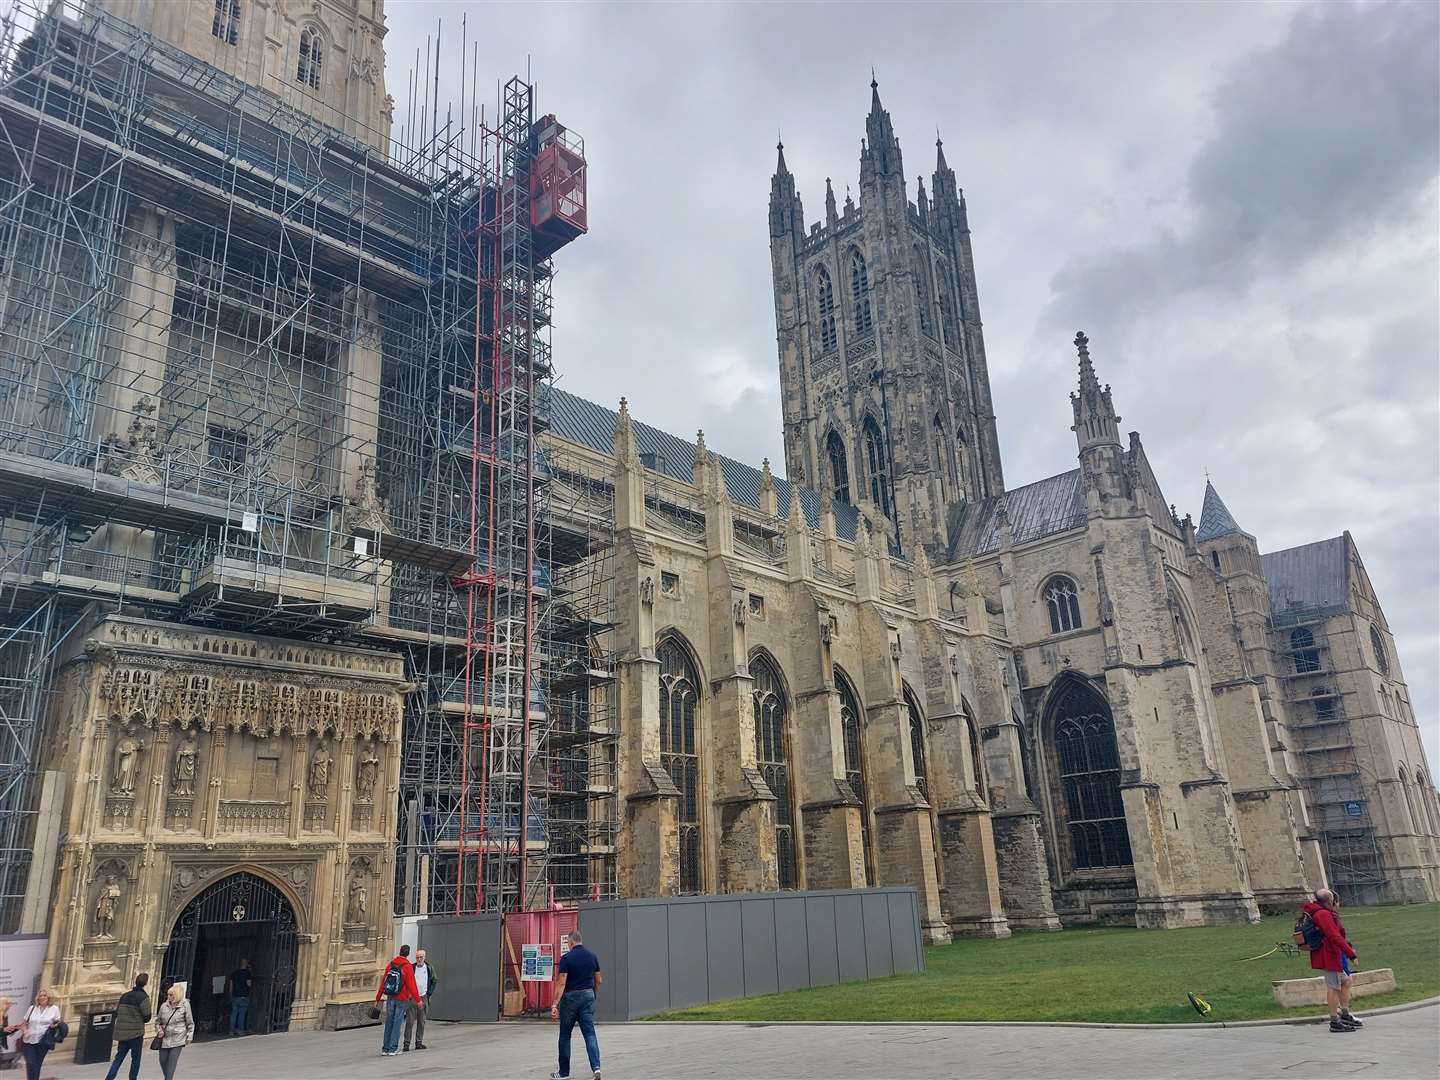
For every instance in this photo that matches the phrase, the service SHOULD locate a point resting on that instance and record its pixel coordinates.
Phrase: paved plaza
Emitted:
(1396, 1046)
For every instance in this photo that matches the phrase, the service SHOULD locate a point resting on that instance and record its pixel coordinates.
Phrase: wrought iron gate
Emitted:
(250, 903)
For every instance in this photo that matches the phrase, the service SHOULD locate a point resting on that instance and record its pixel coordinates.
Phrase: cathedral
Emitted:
(233, 527)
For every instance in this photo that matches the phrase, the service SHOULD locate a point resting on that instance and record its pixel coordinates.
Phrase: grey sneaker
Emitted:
(1351, 1018)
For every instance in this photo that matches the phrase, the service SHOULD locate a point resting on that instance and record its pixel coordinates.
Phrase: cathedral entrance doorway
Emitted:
(239, 917)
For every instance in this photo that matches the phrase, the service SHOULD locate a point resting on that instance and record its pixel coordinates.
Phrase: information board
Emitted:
(537, 962)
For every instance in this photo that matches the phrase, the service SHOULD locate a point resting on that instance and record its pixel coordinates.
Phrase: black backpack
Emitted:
(1307, 936)
(394, 981)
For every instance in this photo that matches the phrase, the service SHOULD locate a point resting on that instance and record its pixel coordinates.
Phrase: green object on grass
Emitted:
(1118, 975)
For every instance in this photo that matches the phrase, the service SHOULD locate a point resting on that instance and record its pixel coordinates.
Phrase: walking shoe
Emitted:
(596, 1076)
(421, 1046)
(559, 1076)
(1339, 1026)
(1351, 1019)
(404, 1049)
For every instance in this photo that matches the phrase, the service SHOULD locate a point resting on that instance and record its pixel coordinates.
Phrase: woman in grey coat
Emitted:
(176, 1027)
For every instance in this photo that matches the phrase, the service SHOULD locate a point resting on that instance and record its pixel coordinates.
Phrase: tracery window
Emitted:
(855, 765)
(308, 71)
(860, 294)
(1325, 705)
(917, 744)
(826, 299)
(924, 294)
(878, 466)
(679, 752)
(226, 23)
(977, 763)
(1377, 643)
(1302, 648)
(1063, 600)
(1089, 771)
(944, 459)
(772, 756)
(839, 467)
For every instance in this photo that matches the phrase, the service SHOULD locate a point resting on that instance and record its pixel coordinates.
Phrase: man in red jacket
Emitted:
(397, 986)
(1332, 957)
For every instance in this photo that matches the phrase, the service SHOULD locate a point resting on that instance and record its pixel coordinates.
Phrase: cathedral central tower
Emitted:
(884, 385)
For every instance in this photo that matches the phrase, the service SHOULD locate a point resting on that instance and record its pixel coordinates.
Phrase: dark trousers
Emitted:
(578, 1007)
(34, 1054)
(169, 1058)
(123, 1047)
(415, 1021)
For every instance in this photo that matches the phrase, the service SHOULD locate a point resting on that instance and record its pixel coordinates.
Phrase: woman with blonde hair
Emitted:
(174, 1029)
(38, 1032)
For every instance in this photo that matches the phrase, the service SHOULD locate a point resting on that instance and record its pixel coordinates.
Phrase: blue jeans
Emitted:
(578, 1006)
(395, 1011)
(239, 1015)
(123, 1047)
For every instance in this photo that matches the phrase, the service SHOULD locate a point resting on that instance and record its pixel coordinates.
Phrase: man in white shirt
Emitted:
(425, 981)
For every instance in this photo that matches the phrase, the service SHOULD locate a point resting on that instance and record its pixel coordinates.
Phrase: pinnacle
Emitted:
(1215, 517)
(1088, 382)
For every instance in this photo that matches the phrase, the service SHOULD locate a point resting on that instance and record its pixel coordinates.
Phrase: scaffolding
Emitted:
(265, 376)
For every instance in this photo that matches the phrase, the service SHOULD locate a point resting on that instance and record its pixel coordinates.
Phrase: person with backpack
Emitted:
(397, 987)
(1324, 936)
(131, 1015)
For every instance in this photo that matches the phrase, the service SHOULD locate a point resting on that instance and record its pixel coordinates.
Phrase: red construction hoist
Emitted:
(533, 202)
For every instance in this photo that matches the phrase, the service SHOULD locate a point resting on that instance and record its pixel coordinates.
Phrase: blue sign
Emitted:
(1352, 809)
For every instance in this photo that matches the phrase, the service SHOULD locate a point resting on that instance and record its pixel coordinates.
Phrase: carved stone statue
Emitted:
(320, 772)
(106, 905)
(182, 781)
(366, 773)
(359, 901)
(647, 590)
(126, 766)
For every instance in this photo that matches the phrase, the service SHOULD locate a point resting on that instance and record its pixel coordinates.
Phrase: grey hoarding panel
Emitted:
(669, 952)
(466, 952)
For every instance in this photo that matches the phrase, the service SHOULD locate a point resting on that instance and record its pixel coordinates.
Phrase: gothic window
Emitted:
(1061, 597)
(1325, 705)
(1377, 643)
(917, 744)
(772, 756)
(860, 294)
(855, 763)
(944, 459)
(923, 292)
(226, 23)
(226, 449)
(308, 71)
(839, 467)
(1302, 648)
(947, 309)
(1088, 763)
(977, 764)
(679, 752)
(877, 466)
(826, 298)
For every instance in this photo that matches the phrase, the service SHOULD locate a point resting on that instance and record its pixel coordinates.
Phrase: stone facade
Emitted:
(196, 756)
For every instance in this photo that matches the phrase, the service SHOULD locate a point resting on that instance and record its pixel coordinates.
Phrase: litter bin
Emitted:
(96, 1038)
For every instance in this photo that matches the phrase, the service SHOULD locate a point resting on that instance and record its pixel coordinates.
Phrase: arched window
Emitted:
(855, 763)
(947, 309)
(944, 459)
(772, 755)
(1302, 648)
(877, 466)
(1325, 705)
(308, 71)
(860, 294)
(839, 467)
(1377, 643)
(1063, 600)
(679, 751)
(977, 763)
(924, 294)
(917, 744)
(825, 292)
(226, 23)
(1088, 764)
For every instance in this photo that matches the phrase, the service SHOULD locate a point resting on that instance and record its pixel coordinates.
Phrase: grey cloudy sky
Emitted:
(1237, 202)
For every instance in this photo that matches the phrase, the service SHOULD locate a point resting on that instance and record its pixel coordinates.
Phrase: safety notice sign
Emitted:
(537, 962)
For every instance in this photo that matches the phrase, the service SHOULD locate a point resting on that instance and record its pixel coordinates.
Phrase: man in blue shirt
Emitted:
(579, 971)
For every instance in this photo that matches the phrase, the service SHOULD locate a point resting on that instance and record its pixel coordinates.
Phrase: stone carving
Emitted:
(126, 766)
(742, 612)
(357, 905)
(107, 904)
(366, 773)
(647, 590)
(182, 778)
(320, 772)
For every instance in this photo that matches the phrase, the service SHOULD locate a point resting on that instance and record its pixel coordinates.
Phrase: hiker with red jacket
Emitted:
(1332, 955)
(397, 987)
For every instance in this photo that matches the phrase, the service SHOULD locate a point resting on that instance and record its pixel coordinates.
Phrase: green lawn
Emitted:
(1112, 975)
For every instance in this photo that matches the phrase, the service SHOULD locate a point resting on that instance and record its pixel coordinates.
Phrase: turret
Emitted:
(787, 215)
(1097, 434)
(880, 152)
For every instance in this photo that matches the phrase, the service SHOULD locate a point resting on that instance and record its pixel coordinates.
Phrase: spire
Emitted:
(830, 215)
(1088, 382)
(786, 213)
(624, 441)
(880, 150)
(780, 169)
(1096, 423)
(875, 107)
(940, 165)
(944, 188)
(922, 204)
(1215, 517)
